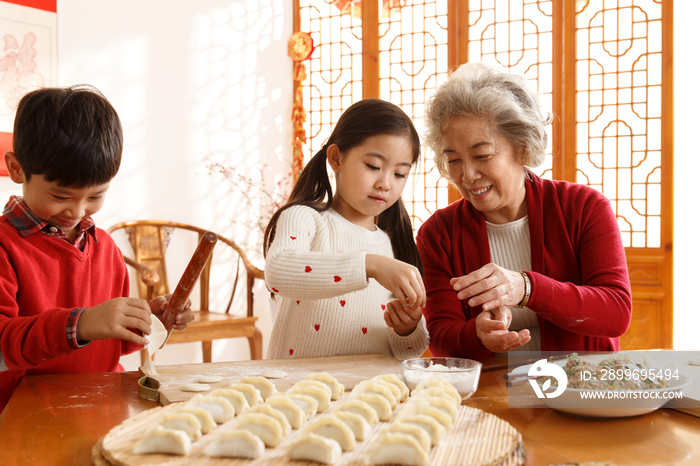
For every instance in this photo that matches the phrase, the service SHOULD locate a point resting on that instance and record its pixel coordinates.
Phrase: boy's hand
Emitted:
(402, 279)
(403, 319)
(159, 304)
(113, 319)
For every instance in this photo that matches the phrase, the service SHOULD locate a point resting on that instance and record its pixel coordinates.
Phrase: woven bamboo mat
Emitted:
(476, 438)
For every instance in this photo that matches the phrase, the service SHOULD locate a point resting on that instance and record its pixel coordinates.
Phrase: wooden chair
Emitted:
(149, 240)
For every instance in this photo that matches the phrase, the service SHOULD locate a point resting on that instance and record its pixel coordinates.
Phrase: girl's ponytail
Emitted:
(396, 222)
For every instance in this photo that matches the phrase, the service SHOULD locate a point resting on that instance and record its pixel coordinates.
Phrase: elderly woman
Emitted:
(520, 262)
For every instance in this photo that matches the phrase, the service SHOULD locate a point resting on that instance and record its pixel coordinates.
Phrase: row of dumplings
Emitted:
(262, 417)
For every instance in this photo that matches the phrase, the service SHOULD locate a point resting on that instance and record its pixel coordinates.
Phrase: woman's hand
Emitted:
(159, 304)
(492, 330)
(402, 279)
(403, 319)
(491, 286)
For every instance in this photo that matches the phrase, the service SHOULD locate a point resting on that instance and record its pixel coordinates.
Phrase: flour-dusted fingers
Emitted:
(490, 286)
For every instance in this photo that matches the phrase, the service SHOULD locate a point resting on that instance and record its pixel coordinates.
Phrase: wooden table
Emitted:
(56, 419)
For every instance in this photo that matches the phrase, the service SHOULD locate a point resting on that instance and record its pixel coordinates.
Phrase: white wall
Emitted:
(686, 300)
(189, 79)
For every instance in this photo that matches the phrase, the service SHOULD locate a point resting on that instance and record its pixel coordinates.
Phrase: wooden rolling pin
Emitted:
(184, 288)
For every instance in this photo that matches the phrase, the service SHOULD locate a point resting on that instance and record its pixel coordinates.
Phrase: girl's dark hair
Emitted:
(70, 135)
(364, 119)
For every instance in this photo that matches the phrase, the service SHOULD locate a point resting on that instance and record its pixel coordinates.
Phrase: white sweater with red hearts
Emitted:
(316, 269)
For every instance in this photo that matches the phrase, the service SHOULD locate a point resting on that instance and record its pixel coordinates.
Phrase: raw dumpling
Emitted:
(396, 381)
(393, 388)
(411, 429)
(396, 448)
(421, 406)
(264, 386)
(377, 402)
(219, 407)
(337, 388)
(312, 447)
(307, 403)
(361, 408)
(436, 391)
(186, 422)
(374, 387)
(322, 396)
(206, 420)
(429, 424)
(332, 427)
(438, 381)
(236, 444)
(161, 440)
(443, 404)
(359, 426)
(266, 427)
(314, 383)
(252, 394)
(270, 411)
(292, 411)
(236, 398)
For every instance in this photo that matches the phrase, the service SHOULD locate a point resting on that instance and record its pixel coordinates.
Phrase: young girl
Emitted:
(337, 259)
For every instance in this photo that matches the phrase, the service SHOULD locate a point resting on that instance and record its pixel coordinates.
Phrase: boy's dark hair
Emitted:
(364, 119)
(69, 135)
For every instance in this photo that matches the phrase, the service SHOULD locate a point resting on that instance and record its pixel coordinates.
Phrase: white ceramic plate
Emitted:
(635, 403)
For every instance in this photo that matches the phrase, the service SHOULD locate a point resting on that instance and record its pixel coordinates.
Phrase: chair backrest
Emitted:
(149, 240)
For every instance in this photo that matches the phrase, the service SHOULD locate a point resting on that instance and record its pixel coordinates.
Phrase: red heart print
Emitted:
(342, 303)
(293, 237)
(383, 307)
(364, 329)
(275, 290)
(291, 352)
(298, 302)
(307, 269)
(336, 279)
(316, 327)
(409, 348)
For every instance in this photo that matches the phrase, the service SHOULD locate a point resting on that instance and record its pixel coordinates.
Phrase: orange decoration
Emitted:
(300, 46)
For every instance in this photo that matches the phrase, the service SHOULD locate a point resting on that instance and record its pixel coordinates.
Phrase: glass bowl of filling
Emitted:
(463, 374)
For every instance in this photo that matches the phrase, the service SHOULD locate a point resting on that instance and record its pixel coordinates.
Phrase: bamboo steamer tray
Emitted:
(476, 438)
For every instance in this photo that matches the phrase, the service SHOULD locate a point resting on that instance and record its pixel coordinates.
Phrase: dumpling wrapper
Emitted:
(359, 426)
(219, 407)
(292, 411)
(362, 408)
(186, 422)
(322, 396)
(155, 341)
(394, 379)
(312, 447)
(273, 374)
(332, 427)
(236, 443)
(194, 387)
(266, 427)
(421, 406)
(337, 389)
(209, 378)
(434, 429)
(376, 388)
(270, 411)
(161, 440)
(236, 398)
(307, 403)
(418, 433)
(396, 448)
(377, 402)
(252, 394)
(206, 420)
(264, 386)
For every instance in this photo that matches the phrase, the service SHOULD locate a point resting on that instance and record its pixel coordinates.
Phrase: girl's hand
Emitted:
(491, 286)
(403, 319)
(113, 319)
(402, 279)
(159, 304)
(492, 330)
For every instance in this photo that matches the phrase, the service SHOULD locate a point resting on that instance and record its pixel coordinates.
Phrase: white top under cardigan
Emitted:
(316, 266)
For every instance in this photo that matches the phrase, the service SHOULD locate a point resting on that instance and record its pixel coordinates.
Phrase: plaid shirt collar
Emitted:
(26, 223)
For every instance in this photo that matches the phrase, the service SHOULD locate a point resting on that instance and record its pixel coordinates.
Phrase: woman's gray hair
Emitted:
(484, 91)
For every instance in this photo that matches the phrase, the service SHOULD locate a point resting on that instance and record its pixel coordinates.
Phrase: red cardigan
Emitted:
(580, 286)
(42, 279)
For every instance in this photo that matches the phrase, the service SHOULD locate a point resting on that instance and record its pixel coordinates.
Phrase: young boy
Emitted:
(64, 287)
